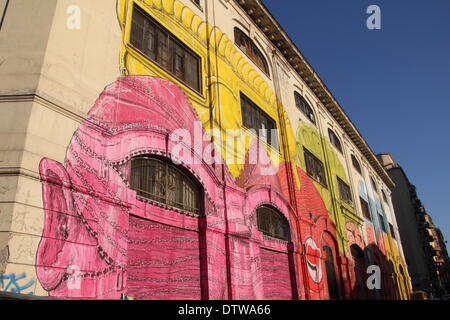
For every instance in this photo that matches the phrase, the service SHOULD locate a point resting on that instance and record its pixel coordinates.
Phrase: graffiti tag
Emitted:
(16, 284)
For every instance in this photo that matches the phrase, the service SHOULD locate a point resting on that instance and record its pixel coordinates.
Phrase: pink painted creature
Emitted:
(92, 242)
(101, 241)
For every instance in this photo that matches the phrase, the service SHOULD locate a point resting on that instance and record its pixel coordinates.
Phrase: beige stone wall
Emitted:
(50, 76)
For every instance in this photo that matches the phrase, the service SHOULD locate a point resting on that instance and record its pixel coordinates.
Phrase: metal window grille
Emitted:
(304, 107)
(166, 50)
(314, 167)
(251, 50)
(163, 182)
(272, 223)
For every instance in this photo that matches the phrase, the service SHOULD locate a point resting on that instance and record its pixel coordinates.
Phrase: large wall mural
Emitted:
(102, 239)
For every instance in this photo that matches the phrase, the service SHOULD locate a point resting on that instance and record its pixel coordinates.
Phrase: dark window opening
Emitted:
(345, 192)
(382, 224)
(314, 168)
(365, 208)
(391, 229)
(304, 107)
(158, 180)
(272, 223)
(256, 119)
(335, 140)
(166, 50)
(356, 164)
(251, 50)
(333, 288)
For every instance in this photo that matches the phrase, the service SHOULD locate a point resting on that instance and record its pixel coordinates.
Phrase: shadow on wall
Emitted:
(375, 277)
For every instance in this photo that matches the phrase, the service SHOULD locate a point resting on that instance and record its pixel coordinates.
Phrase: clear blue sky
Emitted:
(394, 83)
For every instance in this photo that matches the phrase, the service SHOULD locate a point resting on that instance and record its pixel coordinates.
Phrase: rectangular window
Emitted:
(163, 48)
(315, 168)
(365, 208)
(391, 228)
(344, 190)
(382, 224)
(254, 118)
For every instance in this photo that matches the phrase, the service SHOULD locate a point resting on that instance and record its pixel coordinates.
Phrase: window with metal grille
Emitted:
(314, 168)
(304, 107)
(272, 223)
(345, 192)
(335, 140)
(254, 118)
(157, 44)
(158, 180)
(333, 288)
(365, 208)
(251, 50)
(356, 164)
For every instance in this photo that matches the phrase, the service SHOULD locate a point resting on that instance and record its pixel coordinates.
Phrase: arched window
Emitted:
(304, 107)
(333, 289)
(251, 50)
(161, 181)
(374, 185)
(384, 196)
(335, 140)
(356, 164)
(272, 223)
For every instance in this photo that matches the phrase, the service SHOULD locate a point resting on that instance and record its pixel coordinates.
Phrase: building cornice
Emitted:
(261, 16)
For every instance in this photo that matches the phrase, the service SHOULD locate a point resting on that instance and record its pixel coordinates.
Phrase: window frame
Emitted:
(317, 162)
(384, 195)
(335, 141)
(170, 171)
(258, 113)
(331, 273)
(304, 108)
(240, 35)
(274, 215)
(173, 42)
(341, 185)
(368, 216)
(356, 164)
(382, 222)
(392, 230)
(374, 185)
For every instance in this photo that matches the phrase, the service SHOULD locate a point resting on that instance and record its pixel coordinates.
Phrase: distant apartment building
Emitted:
(423, 243)
(178, 149)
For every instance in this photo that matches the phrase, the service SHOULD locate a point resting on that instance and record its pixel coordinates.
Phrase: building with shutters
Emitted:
(179, 149)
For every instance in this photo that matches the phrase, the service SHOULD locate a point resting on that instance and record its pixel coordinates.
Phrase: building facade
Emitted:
(423, 243)
(179, 149)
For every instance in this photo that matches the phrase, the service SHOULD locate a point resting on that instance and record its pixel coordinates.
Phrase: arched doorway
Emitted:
(359, 268)
(277, 261)
(166, 256)
(330, 269)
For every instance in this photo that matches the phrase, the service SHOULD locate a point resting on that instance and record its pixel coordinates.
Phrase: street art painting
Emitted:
(136, 211)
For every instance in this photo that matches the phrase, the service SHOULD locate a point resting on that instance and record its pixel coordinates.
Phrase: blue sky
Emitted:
(394, 83)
